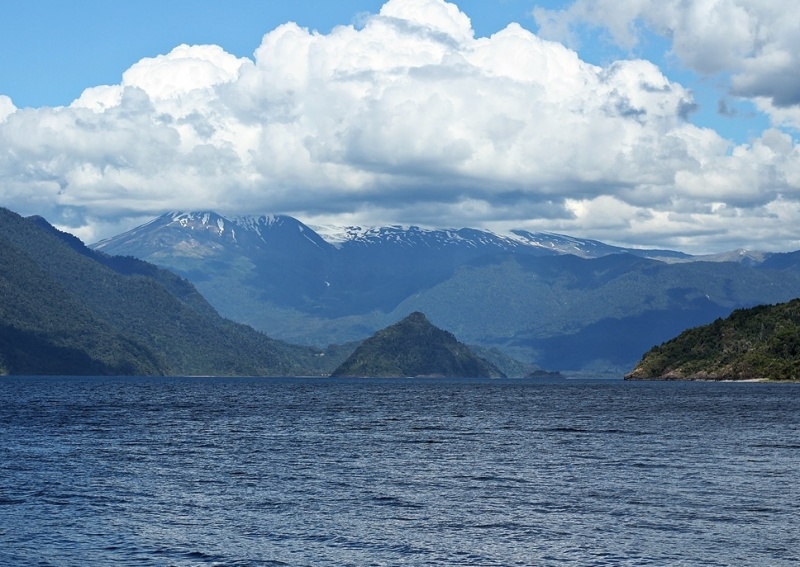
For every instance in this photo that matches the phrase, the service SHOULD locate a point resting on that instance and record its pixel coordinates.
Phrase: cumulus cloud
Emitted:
(755, 43)
(408, 117)
(6, 107)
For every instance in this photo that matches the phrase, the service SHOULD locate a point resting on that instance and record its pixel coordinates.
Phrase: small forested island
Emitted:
(760, 343)
(415, 347)
(545, 375)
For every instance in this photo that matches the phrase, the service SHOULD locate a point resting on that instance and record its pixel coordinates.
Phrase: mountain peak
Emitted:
(415, 347)
(417, 318)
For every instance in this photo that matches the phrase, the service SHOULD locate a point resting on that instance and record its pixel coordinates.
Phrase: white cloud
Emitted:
(6, 108)
(409, 118)
(431, 17)
(756, 42)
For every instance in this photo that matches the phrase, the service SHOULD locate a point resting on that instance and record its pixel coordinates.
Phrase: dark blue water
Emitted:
(411, 472)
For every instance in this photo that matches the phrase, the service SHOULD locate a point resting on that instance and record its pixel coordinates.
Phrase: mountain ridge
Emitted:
(534, 302)
(339, 236)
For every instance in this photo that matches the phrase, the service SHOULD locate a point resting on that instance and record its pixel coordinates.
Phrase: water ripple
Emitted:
(191, 472)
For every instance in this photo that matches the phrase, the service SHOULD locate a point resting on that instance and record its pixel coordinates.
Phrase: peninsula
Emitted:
(760, 343)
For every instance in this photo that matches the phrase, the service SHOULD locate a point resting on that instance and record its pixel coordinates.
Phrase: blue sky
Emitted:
(61, 48)
(668, 123)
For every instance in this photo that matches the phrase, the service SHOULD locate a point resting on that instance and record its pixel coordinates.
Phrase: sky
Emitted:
(647, 123)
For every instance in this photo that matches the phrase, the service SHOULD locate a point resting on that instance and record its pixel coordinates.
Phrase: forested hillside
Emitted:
(415, 347)
(758, 343)
(65, 309)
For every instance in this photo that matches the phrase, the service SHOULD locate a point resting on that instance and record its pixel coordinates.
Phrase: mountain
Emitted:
(749, 257)
(758, 343)
(559, 302)
(67, 309)
(568, 313)
(414, 347)
(583, 248)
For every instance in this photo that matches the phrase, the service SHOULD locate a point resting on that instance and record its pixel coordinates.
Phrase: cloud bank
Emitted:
(410, 118)
(753, 44)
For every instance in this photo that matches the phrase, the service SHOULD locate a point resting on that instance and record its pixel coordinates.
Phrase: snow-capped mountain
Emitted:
(553, 299)
(188, 232)
(414, 236)
(585, 248)
(514, 241)
(200, 233)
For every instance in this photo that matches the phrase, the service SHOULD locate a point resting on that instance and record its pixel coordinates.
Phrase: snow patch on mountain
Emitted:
(256, 223)
(197, 220)
(412, 235)
(564, 244)
(340, 236)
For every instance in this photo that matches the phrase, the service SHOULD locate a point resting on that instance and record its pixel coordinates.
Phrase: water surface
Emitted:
(188, 471)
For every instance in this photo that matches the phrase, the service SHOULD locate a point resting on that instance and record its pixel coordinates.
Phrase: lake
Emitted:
(255, 471)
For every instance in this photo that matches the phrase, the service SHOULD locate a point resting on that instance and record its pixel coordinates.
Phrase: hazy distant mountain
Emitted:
(554, 300)
(749, 257)
(66, 309)
(414, 347)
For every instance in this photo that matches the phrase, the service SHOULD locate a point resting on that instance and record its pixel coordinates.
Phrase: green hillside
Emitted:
(65, 309)
(758, 343)
(414, 347)
(46, 330)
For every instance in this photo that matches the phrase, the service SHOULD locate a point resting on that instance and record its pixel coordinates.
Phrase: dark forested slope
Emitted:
(758, 343)
(65, 309)
(414, 347)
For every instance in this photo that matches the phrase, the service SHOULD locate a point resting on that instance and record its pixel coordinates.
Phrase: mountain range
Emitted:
(557, 301)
